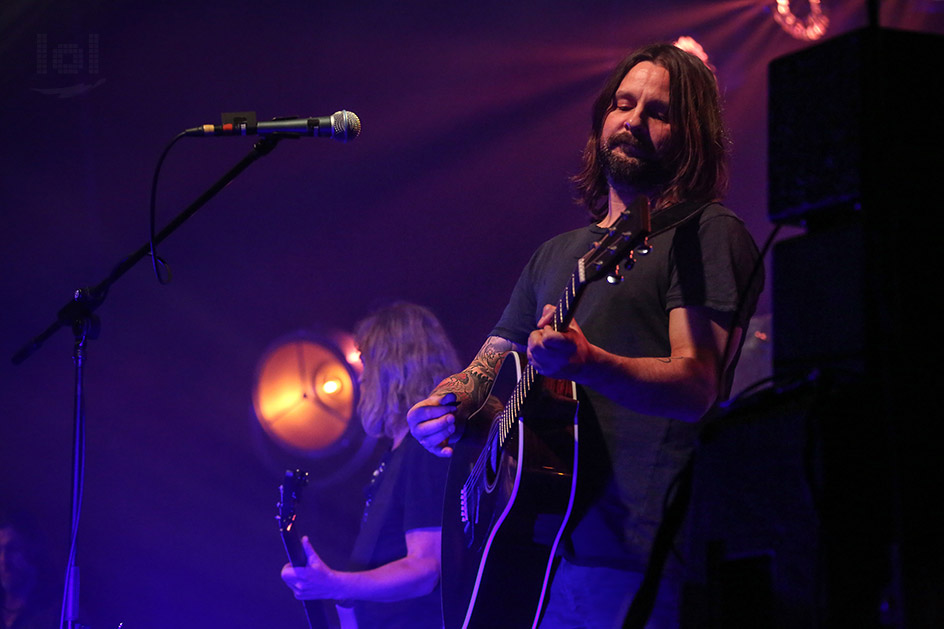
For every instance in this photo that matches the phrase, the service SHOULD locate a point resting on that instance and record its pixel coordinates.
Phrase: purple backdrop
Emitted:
(473, 117)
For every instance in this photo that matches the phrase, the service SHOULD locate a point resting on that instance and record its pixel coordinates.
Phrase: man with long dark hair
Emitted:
(650, 355)
(394, 573)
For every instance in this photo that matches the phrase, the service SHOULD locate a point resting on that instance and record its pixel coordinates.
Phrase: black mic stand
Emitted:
(79, 314)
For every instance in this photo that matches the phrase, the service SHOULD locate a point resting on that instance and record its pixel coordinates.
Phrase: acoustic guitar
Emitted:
(511, 482)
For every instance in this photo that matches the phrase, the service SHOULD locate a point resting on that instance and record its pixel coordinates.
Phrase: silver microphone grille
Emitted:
(345, 125)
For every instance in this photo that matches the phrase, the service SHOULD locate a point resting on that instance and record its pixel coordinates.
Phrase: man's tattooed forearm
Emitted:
(488, 359)
(472, 385)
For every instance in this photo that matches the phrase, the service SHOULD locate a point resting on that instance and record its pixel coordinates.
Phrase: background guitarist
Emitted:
(394, 574)
(652, 354)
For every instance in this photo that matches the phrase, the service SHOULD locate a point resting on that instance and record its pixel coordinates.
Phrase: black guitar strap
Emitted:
(386, 476)
(675, 215)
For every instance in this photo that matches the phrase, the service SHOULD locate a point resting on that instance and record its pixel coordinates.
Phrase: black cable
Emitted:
(758, 265)
(157, 263)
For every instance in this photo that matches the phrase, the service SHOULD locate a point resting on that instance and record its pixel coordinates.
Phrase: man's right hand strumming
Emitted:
(433, 421)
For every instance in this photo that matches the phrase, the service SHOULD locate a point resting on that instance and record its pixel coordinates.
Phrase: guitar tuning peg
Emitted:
(614, 276)
(644, 248)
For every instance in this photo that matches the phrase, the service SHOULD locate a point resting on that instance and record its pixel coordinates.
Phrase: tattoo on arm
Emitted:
(471, 385)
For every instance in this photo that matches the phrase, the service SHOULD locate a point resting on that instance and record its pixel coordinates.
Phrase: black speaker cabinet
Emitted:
(854, 122)
(821, 294)
(791, 519)
(855, 132)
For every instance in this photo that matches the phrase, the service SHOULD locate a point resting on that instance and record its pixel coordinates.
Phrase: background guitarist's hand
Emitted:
(557, 354)
(432, 421)
(314, 581)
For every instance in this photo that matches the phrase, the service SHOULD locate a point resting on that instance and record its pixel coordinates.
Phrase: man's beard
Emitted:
(642, 172)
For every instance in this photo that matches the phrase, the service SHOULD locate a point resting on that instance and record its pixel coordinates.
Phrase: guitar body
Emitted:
(509, 494)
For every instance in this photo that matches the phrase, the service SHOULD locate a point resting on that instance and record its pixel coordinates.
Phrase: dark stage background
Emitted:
(474, 116)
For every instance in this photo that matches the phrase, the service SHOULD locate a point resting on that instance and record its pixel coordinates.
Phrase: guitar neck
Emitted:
(563, 315)
(567, 304)
(315, 610)
(529, 376)
(629, 232)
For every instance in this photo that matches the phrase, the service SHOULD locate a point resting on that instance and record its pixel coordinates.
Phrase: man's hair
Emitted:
(406, 353)
(697, 155)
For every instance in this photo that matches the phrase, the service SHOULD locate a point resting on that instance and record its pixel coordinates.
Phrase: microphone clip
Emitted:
(239, 122)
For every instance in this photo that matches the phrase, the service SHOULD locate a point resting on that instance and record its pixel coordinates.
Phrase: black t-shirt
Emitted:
(405, 494)
(627, 460)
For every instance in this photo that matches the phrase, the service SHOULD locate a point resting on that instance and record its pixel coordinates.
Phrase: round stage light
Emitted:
(305, 392)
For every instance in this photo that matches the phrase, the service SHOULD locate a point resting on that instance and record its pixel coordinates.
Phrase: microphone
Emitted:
(342, 125)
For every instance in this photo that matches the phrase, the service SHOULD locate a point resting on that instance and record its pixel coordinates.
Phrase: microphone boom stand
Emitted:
(79, 314)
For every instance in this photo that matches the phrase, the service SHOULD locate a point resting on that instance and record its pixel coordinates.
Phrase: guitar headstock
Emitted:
(289, 491)
(628, 233)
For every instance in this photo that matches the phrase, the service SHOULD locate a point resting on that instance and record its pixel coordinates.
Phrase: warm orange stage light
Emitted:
(304, 394)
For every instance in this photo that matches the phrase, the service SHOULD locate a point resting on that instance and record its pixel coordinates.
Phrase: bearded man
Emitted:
(651, 355)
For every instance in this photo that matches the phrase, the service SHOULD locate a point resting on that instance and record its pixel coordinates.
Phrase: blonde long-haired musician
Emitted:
(393, 576)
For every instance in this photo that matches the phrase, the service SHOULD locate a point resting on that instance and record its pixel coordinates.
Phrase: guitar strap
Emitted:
(366, 543)
(674, 216)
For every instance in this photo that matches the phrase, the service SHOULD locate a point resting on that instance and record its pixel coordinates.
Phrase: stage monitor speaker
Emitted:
(855, 130)
(791, 518)
(823, 316)
(854, 122)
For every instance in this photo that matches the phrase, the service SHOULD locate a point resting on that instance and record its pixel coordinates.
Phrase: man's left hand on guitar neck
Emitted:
(313, 581)
(557, 354)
